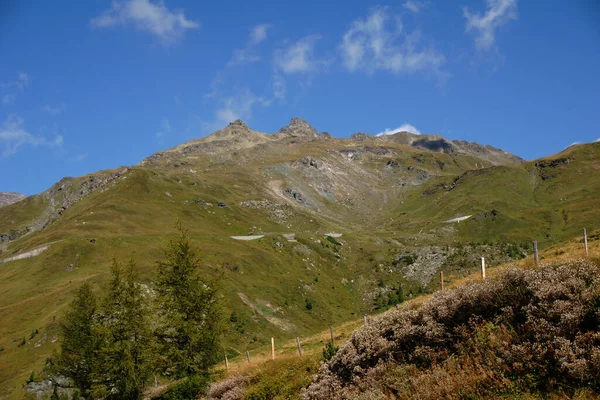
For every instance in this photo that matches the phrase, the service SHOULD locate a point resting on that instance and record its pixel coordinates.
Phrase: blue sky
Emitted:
(94, 85)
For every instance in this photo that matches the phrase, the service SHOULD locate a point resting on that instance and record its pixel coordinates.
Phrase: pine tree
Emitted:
(125, 355)
(190, 320)
(79, 345)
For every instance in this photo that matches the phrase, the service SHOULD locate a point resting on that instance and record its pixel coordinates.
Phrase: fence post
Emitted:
(331, 335)
(272, 348)
(536, 254)
(585, 241)
(226, 363)
(483, 268)
(442, 279)
(365, 319)
(299, 346)
(248, 356)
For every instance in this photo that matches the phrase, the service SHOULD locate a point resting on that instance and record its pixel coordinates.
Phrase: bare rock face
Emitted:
(299, 128)
(7, 198)
(361, 137)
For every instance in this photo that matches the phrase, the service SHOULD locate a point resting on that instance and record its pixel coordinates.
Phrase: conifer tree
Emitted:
(190, 320)
(77, 357)
(124, 356)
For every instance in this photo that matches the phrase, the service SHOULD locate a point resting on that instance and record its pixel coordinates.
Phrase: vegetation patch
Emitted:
(528, 332)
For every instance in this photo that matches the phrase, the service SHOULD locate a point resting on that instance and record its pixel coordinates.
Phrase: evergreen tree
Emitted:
(190, 319)
(79, 345)
(124, 357)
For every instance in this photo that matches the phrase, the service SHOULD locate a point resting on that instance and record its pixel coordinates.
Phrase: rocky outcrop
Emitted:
(298, 128)
(7, 198)
(60, 197)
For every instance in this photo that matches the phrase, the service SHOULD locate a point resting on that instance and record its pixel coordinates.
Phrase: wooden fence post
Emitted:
(331, 334)
(365, 319)
(226, 362)
(272, 348)
(536, 254)
(248, 356)
(483, 268)
(442, 279)
(299, 346)
(585, 241)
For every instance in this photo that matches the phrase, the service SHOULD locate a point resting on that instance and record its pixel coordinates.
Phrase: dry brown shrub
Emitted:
(526, 331)
(232, 388)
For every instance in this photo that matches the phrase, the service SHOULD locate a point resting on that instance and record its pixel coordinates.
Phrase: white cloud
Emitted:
(412, 5)
(484, 26)
(374, 44)
(279, 87)
(165, 129)
(153, 18)
(17, 85)
(238, 106)
(80, 157)
(247, 55)
(259, 33)
(402, 128)
(299, 57)
(54, 110)
(20, 83)
(13, 136)
(242, 56)
(598, 140)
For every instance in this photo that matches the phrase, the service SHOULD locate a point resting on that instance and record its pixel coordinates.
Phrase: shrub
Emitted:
(527, 331)
(186, 389)
(230, 389)
(329, 351)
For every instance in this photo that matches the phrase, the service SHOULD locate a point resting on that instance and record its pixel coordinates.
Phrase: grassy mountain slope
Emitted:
(389, 200)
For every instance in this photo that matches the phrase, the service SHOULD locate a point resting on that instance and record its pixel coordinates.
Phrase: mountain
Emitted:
(304, 229)
(7, 198)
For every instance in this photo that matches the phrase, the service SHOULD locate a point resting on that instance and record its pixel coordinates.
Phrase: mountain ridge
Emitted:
(237, 135)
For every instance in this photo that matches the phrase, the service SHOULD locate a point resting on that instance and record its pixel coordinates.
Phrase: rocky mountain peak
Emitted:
(299, 127)
(7, 198)
(238, 123)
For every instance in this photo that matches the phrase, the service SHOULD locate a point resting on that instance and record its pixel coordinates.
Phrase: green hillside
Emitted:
(387, 200)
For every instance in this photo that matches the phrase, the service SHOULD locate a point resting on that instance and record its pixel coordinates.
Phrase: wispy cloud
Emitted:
(165, 129)
(378, 42)
(154, 18)
(299, 57)
(484, 26)
(17, 85)
(402, 128)
(80, 157)
(54, 110)
(413, 5)
(8, 99)
(259, 34)
(13, 136)
(279, 86)
(240, 105)
(21, 81)
(248, 54)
